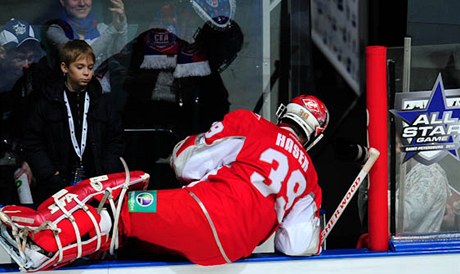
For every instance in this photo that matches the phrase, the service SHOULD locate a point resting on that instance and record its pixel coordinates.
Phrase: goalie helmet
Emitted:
(307, 113)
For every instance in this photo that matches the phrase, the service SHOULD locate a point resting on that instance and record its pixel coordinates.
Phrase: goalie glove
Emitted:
(66, 227)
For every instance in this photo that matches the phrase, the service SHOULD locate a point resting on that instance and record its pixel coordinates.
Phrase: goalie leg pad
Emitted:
(49, 245)
(66, 227)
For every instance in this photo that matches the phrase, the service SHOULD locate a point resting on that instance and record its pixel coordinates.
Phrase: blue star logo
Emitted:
(435, 128)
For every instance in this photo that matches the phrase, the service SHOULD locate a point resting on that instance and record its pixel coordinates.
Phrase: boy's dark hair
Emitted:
(73, 49)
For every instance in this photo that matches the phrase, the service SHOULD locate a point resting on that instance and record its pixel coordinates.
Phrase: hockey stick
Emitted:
(373, 155)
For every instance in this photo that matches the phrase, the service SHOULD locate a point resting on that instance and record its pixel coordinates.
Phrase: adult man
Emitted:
(19, 48)
(247, 179)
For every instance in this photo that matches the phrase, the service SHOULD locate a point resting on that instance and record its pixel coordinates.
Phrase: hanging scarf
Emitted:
(86, 27)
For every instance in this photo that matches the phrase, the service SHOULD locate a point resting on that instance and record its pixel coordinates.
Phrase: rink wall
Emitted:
(354, 261)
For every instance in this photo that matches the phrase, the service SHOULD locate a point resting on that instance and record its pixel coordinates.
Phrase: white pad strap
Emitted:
(114, 243)
(72, 221)
(93, 220)
(16, 233)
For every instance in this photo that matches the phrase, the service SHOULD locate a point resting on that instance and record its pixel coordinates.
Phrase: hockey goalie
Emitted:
(244, 179)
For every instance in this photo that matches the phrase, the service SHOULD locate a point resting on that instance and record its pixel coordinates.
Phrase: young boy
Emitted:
(73, 131)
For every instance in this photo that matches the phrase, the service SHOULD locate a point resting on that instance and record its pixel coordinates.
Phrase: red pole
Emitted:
(377, 107)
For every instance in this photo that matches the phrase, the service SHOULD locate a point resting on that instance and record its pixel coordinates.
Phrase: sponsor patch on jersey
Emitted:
(142, 201)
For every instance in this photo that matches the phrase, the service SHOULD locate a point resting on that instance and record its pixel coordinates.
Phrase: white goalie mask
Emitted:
(309, 114)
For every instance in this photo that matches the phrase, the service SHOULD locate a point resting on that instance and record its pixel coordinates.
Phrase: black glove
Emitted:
(348, 151)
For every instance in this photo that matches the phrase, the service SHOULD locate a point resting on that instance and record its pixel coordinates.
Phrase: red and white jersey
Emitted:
(256, 164)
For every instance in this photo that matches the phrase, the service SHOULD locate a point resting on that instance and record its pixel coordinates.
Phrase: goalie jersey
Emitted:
(263, 181)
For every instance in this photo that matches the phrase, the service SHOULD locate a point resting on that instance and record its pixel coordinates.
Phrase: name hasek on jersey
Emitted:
(290, 146)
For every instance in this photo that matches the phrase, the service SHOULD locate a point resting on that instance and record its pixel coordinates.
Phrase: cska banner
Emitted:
(428, 123)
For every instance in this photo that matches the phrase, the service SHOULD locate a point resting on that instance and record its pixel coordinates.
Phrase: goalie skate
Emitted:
(29, 258)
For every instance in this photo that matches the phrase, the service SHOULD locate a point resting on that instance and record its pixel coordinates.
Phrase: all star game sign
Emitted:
(428, 124)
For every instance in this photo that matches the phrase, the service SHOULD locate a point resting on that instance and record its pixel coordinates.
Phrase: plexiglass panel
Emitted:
(172, 67)
(426, 140)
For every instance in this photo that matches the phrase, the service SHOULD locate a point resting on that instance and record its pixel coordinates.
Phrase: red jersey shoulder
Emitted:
(239, 123)
(236, 123)
(247, 123)
(243, 114)
(244, 119)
